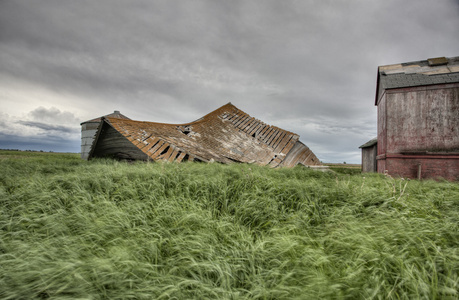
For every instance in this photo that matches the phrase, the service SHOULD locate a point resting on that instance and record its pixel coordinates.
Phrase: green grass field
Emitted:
(72, 229)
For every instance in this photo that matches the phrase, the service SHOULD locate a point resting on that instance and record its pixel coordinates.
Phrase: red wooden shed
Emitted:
(418, 119)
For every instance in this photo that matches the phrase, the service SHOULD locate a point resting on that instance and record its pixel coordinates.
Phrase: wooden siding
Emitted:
(110, 143)
(418, 132)
(422, 120)
(299, 154)
(369, 159)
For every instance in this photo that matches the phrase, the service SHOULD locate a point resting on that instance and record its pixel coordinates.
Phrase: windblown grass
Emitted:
(71, 229)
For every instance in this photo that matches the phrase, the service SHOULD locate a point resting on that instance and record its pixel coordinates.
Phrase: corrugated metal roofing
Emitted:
(370, 143)
(225, 135)
(115, 114)
(432, 71)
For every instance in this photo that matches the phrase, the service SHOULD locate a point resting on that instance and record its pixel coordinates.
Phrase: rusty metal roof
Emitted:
(440, 70)
(225, 135)
(115, 114)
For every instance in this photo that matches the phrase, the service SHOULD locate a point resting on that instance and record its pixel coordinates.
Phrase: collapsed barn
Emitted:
(89, 130)
(418, 119)
(225, 135)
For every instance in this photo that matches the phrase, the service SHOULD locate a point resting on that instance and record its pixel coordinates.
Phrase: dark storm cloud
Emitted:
(306, 66)
(52, 143)
(49, 127)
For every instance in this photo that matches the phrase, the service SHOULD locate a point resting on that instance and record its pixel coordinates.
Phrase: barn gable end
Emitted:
(418, 119)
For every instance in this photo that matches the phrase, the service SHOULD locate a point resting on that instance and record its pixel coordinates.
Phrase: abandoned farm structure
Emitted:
(89, 130)
(369, 153)
(418, 119)
(225, 135)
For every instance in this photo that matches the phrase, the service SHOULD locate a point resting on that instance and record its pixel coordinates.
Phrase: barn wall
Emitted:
(419, 126)
(430, 167)
(382, 136)
(422, 120)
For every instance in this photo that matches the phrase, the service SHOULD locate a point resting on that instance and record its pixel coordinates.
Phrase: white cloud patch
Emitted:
(52, 115)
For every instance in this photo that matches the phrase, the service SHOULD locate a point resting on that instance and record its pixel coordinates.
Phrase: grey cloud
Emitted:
(49, 127)
(51, 143)
(52, 115)
(284, 62)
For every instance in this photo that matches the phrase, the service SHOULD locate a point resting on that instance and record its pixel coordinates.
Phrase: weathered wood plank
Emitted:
(247, 125)
(181, 156)
(232, 117)
(243, 119)
(270, 139)
(287, 148)
(244, 123)
(158, 154)
(277, 139)
(267, 133)
(173, 154)
(263, 132)
(282, 143)
(156, 148)
(239, 117)
(275, 162)
(252, 126)
(151, 142)
(255, 129)
(137, 142)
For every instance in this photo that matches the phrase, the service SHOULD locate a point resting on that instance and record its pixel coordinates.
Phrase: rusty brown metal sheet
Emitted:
(225, 135)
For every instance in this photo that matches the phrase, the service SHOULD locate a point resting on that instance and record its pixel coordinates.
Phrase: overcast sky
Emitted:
(305, 66)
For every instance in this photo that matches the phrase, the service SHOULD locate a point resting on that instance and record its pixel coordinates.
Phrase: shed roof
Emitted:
(115, 114)
(370, 143)
(440, 70)
(224, 135)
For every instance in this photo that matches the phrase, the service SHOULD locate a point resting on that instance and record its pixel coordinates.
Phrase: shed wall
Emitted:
(369, 159)
(422, 120)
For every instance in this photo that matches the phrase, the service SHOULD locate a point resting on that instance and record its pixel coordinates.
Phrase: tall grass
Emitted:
(71, 229)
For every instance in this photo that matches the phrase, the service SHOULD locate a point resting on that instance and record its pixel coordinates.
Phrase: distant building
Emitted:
(369, 152)
(418, 119)
(225, 135)
(89, 129)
